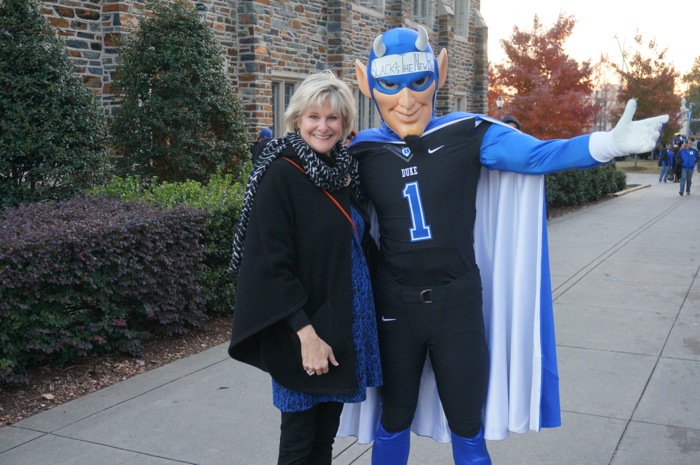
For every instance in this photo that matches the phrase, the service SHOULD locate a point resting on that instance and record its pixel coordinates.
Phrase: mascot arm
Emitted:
(509, 150)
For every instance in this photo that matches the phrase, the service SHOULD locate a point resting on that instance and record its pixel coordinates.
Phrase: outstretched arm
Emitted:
(509, 150)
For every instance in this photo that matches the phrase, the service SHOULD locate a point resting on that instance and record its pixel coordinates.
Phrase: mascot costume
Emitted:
(462, 285)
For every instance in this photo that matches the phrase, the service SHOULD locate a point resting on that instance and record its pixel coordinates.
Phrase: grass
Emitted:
(630, 165)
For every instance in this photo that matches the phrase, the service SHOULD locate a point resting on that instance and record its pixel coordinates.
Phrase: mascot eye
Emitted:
(420, 83)
(386, 85)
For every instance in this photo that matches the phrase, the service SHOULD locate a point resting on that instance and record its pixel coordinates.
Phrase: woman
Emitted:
(304, 310)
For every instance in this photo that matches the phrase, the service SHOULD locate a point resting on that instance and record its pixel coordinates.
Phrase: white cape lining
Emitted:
(511, 252)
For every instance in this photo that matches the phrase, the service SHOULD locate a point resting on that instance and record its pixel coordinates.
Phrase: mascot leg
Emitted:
(391, 448)
(470, 451)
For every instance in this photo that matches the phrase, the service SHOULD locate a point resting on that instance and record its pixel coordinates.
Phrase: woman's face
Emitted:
(321, 127)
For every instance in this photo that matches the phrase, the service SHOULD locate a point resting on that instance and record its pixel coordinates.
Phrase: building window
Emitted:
(367, 114)
(423, 11)
(379, 4)
(460, 102)
(282, 92)
(462, 17)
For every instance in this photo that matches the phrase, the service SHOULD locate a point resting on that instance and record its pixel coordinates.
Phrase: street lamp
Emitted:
(201, 10)
(691, 107)
(499, 104)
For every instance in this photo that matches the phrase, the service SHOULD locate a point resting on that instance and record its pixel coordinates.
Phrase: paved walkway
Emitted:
(627, 306)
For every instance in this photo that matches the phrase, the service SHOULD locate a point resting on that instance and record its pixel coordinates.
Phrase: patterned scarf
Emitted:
(323, 175)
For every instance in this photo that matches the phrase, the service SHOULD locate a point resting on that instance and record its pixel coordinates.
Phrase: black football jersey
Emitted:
(424, 193)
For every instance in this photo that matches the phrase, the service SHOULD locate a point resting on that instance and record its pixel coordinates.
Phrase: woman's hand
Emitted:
(315, 353)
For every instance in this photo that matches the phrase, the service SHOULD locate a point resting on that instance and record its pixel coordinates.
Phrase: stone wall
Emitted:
(269, 38)
(91, 30)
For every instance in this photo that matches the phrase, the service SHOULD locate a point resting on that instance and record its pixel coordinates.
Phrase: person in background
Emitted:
(441, 186)
(677, 162)
(304, 308)
(689, 157)
(658, 151)
(348, 139)
(665, 162)
(511, 121)
(262, 134)
(678, 141)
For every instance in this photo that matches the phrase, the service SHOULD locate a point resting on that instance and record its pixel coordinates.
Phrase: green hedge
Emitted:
(91, 275)
(577, 187)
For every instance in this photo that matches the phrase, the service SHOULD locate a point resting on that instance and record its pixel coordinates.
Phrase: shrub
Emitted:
(52, 129)
(94, 274)
(179, 119)
(221, 197)
(576, 187)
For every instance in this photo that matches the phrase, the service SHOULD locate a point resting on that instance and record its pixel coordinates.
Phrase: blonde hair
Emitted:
(316, 89)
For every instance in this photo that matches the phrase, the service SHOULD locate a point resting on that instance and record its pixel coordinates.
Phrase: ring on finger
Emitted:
(310, 372)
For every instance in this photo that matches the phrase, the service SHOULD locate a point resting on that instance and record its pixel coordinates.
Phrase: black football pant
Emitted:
(447, 324)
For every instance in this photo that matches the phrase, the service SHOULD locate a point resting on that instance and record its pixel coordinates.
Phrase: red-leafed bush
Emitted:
(91, 275)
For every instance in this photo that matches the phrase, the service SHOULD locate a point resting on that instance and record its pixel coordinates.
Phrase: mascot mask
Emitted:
(401, 61)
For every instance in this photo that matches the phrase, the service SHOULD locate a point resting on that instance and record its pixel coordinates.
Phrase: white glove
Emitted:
(628, 136)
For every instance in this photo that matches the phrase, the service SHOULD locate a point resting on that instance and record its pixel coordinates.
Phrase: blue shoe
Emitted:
(391, 448)
(470, 451)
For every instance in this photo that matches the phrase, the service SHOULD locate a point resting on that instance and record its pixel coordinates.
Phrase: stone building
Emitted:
(271, 45)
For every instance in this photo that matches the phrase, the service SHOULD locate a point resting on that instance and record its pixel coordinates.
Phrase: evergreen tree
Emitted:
(53, 131)
(179, 118)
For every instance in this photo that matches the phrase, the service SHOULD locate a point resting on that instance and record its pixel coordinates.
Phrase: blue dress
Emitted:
(364, 331)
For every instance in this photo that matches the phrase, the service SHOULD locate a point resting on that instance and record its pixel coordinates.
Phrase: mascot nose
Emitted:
(406, 98)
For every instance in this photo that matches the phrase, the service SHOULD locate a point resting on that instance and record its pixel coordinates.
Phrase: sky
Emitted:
(675, 26)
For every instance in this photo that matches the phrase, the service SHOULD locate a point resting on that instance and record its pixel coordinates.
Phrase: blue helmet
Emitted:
(402, 58)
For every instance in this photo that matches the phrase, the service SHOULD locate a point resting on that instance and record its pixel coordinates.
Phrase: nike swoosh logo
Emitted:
(388, 319)
(435, 149)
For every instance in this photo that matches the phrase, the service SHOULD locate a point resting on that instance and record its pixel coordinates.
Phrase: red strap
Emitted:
(340, 207)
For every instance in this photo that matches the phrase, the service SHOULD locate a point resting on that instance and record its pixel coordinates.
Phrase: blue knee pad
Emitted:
(391, 448)
(470, 451)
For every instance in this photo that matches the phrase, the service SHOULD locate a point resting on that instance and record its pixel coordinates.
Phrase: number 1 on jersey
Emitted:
(420, 231)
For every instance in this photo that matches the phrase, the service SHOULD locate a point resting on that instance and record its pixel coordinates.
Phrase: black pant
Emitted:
(447, 324)
(306, 438)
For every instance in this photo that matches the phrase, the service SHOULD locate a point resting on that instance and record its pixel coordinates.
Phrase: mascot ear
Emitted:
(361, 73)
(442, 67)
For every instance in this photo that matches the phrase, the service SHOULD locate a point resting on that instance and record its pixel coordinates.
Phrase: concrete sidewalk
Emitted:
(627, 308)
